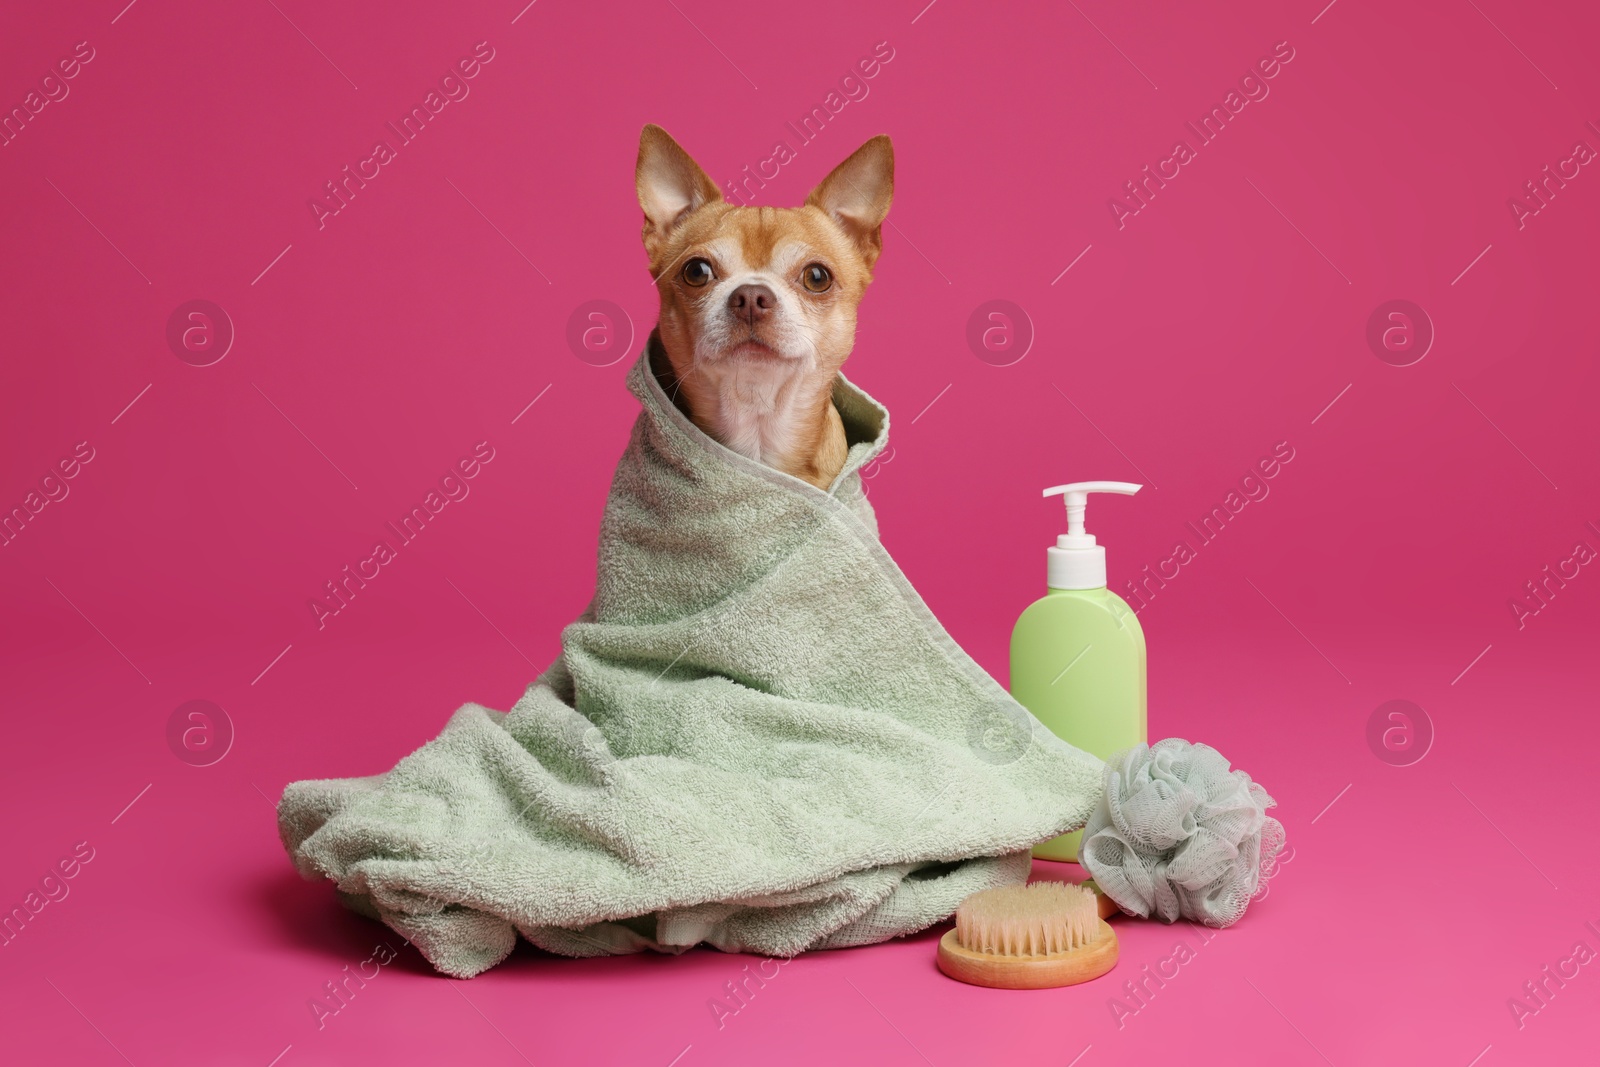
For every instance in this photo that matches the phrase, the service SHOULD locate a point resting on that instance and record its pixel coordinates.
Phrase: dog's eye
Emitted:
(816, 278)
(698, 272)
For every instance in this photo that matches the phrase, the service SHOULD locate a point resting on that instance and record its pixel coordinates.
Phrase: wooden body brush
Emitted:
(1029, 937)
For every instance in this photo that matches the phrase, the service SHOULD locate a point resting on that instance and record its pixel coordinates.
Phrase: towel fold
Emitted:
(757, 736)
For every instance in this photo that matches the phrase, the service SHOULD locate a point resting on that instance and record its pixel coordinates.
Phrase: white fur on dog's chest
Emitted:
(760, 407)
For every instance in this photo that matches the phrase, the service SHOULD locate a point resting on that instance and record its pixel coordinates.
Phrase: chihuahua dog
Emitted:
(758, 304)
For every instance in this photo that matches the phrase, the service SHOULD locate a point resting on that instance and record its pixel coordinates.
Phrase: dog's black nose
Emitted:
(751, 303)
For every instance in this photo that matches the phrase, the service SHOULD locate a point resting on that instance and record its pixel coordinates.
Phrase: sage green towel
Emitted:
(757, 736)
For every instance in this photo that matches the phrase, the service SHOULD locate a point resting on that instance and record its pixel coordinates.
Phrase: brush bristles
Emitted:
(1028, 920)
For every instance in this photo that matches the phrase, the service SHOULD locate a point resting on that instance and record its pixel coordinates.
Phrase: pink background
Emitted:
(1225, 317)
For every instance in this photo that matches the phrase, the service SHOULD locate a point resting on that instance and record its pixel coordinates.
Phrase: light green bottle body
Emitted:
(1078, 664)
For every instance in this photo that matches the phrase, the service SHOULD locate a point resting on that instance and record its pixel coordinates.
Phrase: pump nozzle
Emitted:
(1076, 562)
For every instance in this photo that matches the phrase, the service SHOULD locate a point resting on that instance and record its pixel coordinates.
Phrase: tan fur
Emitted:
(762, 387)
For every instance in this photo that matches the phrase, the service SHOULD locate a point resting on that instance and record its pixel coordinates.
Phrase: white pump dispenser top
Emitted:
(1076, 562)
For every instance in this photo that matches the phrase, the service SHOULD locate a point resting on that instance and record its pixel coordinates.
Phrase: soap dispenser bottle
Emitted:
(1077, 655)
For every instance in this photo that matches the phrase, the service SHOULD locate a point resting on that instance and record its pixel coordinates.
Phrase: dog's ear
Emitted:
(670, 184)
(857, 195)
